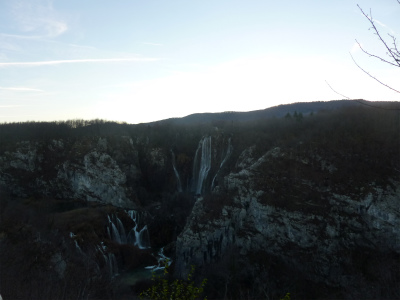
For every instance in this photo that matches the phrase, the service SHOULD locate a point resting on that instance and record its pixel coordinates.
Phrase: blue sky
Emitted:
(141, 61)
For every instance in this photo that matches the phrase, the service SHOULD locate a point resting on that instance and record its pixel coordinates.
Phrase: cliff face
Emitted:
(317, 233)
(88, 169)
(303, 205)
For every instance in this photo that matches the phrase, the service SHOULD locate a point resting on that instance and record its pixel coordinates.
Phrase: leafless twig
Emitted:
(337, 92)
(361, 102)
(373, 76)
(392, 52)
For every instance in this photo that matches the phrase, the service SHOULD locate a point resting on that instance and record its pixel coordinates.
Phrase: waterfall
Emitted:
(115, 234)
(113, 266)
(142, 238)
(202, 167)
(73, 236)
(139, 238)
(161, 261)
(176, 172)
(228, 153)
(196, 164)
(110, 261)
(116, 230)
(121, 230)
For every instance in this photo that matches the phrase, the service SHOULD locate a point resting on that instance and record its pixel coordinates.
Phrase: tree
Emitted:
(389, 44)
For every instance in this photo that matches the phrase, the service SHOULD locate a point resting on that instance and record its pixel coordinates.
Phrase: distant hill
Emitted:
(278, 111)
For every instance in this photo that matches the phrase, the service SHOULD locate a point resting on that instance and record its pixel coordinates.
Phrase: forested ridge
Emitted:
(300, 159)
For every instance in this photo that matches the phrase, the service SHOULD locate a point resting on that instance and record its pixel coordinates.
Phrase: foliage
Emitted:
(287, 297)
(178, 289)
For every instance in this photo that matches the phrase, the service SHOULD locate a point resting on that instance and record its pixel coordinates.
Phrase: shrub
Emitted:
(178, 289)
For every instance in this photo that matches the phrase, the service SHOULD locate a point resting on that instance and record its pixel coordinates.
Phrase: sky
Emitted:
(139, 61)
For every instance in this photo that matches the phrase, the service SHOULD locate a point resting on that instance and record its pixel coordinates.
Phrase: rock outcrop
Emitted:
(317, 233)
(86, 169)
(309, 205)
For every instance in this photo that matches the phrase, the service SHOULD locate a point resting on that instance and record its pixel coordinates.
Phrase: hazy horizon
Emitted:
(139, 62)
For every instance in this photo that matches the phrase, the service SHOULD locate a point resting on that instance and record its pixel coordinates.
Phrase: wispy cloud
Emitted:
(384, 25)
(74, 61)
(37, 18)
(20, 89)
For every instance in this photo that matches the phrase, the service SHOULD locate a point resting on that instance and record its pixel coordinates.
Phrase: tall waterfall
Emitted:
(228, 153)
(201, 165)
(176, 172)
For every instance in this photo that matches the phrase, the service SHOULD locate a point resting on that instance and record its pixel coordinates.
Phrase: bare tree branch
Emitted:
(376, 56)
(396, 51)
(361, 101)
(337, 92)
(372, 76)
(390, 51)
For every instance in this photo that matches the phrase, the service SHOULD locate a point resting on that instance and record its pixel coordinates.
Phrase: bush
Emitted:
(178, 289)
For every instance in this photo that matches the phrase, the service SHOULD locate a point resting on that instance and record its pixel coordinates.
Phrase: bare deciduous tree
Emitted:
(390, 44)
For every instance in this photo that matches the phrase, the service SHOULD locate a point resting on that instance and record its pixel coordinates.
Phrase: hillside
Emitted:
(300, 198)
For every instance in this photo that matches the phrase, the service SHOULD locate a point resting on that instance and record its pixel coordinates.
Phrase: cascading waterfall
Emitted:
(72, 236)
(139, 238)
(112, 264)
(115, 234)
(162, 259)
(176, 172)
(228, 153)
(112, 230)
(136, 236)
(110, 261)
(201, 167)
(121, 229)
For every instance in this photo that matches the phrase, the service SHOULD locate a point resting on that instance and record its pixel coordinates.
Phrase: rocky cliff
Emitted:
(302, 204)
(317, 231)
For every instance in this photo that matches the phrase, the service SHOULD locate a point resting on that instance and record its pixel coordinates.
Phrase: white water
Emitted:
(136, 236)
(176, 172)
(162, 259)
(110, 261)
(228, 153)
(111, 264)
(115, 234)
(202, 167)
(121, 230)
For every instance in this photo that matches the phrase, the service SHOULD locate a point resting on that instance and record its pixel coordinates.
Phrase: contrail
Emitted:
(73, 61)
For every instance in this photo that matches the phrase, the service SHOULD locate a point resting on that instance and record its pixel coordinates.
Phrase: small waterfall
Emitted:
(73, 236)
(115, 234)
(176, 173)
(201, 167)
(121, 229)
(228, 153)
(161, 261)
(110, 261)
(116, 230)
(142, 238)
(113, 266)
(139, 238)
